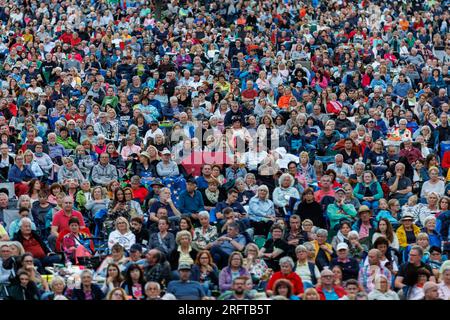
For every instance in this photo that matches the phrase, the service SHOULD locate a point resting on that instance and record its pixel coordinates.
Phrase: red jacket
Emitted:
(338, 289)
(292, 277)
(140, 193)
(446, 160)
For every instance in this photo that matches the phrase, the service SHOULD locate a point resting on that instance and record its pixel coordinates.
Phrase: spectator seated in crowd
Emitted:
(275, 150)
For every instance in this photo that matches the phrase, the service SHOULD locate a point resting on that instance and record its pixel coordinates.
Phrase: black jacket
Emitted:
(175, 257)
(19, 293)
(350, 269)
(97, 293)
(312, 211)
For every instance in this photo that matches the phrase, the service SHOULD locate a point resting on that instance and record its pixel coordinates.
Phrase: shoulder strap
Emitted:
(163, 245)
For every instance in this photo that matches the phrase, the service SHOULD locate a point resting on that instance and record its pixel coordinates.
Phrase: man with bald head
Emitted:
(343, 170)
(156, 267)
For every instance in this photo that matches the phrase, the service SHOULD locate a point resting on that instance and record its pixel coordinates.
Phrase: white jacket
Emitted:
(125, 240)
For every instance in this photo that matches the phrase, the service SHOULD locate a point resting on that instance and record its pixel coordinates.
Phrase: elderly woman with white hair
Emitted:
(57, 289)
(286, 272)
(286, 190)
(206, 234)
(323, 250)
(261, 211)
(382, 290)
(430, 229)
(184, 253)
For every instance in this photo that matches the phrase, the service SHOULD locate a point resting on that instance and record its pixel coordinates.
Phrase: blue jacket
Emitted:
(188, 204)
(433, 238)
(401, 89)
(202, 183)
(16, 175)
(387, 215)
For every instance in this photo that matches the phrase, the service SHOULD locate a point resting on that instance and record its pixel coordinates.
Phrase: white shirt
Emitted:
(125, 240)
(252, 159)
(151, 134)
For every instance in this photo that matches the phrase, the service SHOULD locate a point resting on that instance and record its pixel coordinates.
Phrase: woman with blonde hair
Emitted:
(69, 170)
(122, 234)
(29, 160)
(311, 294)
(98, 201)
(154, 155)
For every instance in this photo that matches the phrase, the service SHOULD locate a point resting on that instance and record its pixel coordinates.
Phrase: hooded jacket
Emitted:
(102, 175)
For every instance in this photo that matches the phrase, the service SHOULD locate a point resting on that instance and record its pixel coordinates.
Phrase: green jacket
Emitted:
(336, 213)
(68, 143)
(80, 198)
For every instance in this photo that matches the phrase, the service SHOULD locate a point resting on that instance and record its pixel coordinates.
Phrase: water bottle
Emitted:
(69, 266)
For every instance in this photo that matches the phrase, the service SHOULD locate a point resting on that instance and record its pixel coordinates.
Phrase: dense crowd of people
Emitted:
(233, 150)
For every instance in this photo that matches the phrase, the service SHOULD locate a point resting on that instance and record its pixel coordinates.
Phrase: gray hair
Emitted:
(300, 248)
(359, 163)
(204, 214)
(263, 187)
(41, 108)
(86, 271)
(21, 199)
(23, 221)
(57, 279)
(133, 127)
(322, 232)
(353, 233)
(152, 282)
(287, 260)
(309, 246)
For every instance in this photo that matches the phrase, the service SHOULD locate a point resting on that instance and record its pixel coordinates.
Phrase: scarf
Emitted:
(213, 197)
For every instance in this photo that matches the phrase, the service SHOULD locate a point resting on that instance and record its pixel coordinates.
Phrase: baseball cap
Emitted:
(191, 180)
(184, 266)
(165, 151)
(363, 208)
(136, 247)
(371, 120)
(407, 216)
(157, 182)
(342, 246)
(340, 190)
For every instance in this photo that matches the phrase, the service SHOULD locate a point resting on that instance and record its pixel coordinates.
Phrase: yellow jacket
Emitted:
(401, 235)
(317, 247)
